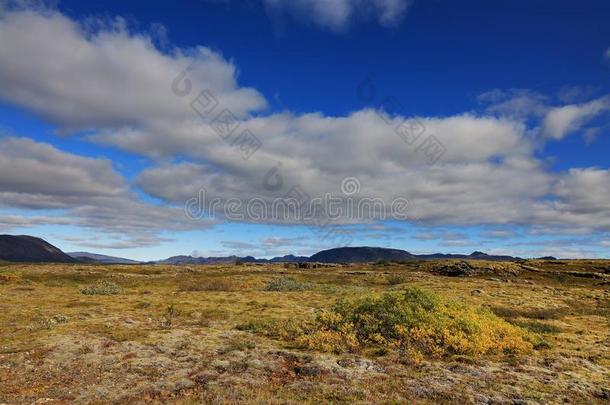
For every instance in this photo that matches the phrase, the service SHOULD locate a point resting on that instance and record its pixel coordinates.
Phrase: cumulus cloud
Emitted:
(105, 76)
(472, 182)
(56, 177)
(80, 191)
(560, 121)
(554, 122)
(337, 15)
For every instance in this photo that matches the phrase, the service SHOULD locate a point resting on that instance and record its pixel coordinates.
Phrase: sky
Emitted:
(151, 129)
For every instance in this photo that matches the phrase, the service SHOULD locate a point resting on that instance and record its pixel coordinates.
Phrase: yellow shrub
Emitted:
(414, 322)
(330, 341)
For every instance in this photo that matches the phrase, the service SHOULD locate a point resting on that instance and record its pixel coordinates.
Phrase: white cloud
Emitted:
(57, 177)
(472, 183)
(515, 103)
(78, 191)
(337, 15)
(106, 76)
(560, 121)
(555, 121)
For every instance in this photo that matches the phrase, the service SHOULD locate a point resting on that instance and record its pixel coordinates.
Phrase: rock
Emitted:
(459, 269)
(309, 370)
(603, 393)
(466, 269)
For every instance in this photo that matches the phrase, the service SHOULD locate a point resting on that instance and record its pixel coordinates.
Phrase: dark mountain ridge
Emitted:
(24, 248)
(360, 254)
(31, 249)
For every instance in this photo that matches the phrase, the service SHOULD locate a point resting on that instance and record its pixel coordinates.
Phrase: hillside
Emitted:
(25, 248)
(97, 258)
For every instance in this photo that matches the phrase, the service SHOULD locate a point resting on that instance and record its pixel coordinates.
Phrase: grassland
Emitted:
(535, 332)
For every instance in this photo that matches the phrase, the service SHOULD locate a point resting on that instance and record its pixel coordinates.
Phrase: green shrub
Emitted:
(286, 284)
(103, 288)
(417, 323)
(395, 279)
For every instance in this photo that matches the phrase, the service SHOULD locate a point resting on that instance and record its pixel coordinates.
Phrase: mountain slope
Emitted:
(25, 248)
(97, 258)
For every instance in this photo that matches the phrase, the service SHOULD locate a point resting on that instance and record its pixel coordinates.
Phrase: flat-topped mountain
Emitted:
(360, 255)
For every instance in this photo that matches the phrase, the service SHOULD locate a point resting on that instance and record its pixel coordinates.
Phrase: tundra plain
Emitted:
(530, 332)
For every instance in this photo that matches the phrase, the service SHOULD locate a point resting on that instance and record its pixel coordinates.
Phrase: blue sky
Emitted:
(98, 153)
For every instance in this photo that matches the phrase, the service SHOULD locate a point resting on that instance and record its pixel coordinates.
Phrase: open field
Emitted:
(254, 334)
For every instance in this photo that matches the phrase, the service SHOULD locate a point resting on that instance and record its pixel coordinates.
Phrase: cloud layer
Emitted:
(126, 93)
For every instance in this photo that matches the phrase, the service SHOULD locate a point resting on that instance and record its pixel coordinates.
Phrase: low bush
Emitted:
(287, 284)
(416, 323)
(168, 317)
(103, 288)
(50, 323)
(395, 279)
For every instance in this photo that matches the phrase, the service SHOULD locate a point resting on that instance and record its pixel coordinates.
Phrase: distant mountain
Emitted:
(209, 260)
(473, 256)
(360, 255)
(289, 259)
(31, 249)
(87, 257)
(25, 248)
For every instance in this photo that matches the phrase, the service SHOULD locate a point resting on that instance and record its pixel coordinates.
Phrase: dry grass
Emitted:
(214, 334)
